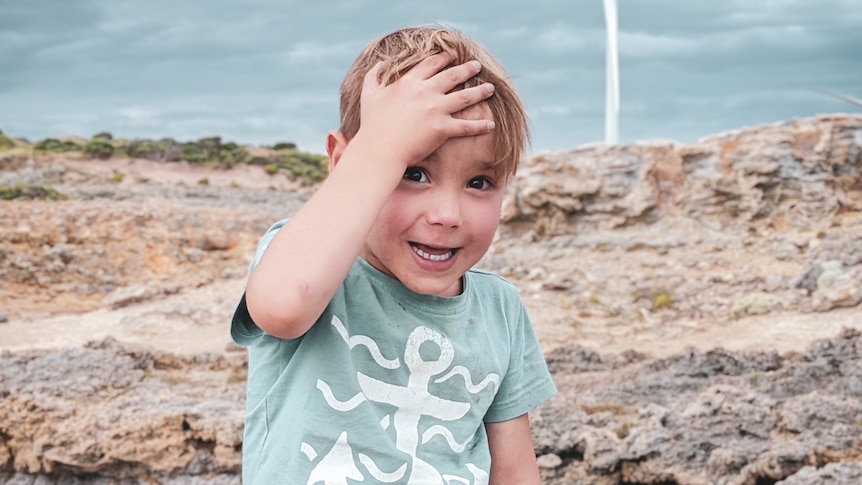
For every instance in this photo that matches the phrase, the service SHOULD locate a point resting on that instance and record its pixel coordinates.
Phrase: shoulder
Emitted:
(490, 279)
(264, 241)
(489, 284)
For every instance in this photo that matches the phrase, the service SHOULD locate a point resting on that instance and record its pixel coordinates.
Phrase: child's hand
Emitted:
(412, 117)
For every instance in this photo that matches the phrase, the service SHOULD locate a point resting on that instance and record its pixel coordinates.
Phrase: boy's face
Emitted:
(442, 217)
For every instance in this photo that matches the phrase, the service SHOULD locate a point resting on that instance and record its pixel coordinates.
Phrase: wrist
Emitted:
(366, 150)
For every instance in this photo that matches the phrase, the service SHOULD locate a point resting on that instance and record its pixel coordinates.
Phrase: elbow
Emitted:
(277, 326)
(282, 316)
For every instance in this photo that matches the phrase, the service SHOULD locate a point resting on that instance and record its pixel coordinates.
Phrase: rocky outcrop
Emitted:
(799, 172)
(713, 417)
(111, 245)
(116, 413)
(126, 415)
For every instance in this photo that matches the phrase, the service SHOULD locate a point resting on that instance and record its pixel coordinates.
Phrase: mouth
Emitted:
(431, 253)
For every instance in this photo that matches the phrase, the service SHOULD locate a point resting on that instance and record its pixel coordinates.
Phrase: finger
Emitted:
(372, 77)
(464, 98)
(454, 76)
(431, 65)
(460, 127)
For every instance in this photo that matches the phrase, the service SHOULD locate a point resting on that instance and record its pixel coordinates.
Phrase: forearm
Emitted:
(308, 259)
(513, 459)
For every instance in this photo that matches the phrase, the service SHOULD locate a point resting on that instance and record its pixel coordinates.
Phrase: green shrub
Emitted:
(5, 142)
(164, 150)
(142, 149)
(99, 148)
(304, 165)
(662, 301)
(30, 192)
(231, 154)
(104, 135)
(212, 153)
(203, 150)
(173, 150)
(258, 160)
(57, 146)
(284, 146)
(309, 167)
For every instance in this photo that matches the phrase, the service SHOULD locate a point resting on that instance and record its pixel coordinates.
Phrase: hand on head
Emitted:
(413, 116)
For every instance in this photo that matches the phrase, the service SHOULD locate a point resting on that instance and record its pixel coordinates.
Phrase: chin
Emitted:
(442, 289)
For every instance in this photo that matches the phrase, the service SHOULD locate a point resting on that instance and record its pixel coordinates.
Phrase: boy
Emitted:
(376, 354)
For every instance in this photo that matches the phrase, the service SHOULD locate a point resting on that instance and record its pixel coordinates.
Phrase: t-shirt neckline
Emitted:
(447, 305)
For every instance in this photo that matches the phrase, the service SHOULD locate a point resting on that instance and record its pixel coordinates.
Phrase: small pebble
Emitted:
(549, 460)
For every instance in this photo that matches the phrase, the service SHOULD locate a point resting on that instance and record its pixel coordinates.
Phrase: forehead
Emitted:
(482, 147)
(475, 112)
(495, 142)
(469, 153)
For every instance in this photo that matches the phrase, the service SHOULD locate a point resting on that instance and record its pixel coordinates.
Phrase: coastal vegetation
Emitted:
(212, 152)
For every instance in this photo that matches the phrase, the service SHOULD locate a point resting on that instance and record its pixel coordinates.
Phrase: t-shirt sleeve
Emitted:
(527, 383)
(243, 330)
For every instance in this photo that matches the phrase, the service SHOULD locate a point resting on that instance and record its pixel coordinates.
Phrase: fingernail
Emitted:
(476, 64)
(491, 125)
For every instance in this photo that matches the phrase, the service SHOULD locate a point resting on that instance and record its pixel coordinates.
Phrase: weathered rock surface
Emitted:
(690, 301)
(109, 241)
(795, 173)
(116, 413)
(713, 417)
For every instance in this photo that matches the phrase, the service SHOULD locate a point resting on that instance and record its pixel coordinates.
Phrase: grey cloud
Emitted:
(261, 71)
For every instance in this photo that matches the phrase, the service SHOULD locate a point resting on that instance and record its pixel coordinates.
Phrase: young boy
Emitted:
(376, 353)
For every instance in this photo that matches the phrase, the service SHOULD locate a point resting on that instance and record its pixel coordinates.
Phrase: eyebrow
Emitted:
(486, 165)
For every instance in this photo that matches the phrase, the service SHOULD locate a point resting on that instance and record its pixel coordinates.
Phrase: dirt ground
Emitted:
(195, 319)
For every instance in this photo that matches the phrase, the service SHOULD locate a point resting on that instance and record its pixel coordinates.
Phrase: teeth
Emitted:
(433, 257)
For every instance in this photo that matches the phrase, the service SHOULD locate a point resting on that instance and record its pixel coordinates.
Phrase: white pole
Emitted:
(842, 97)
(612, 76)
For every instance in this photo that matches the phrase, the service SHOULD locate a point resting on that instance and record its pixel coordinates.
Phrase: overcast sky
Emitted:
(264, 71)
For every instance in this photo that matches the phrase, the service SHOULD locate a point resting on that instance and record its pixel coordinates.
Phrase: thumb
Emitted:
(372, 77)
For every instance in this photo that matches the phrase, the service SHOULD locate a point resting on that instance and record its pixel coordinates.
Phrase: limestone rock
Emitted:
(716, 417)
(841, 289)
(120, 412)
(831, 474)
(757, 303)
(796, 172)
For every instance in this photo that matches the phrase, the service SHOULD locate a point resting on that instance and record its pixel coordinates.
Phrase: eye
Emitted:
(415, 174)
(480, 183)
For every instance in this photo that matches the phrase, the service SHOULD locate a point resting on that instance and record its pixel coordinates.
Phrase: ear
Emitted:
(335, 145)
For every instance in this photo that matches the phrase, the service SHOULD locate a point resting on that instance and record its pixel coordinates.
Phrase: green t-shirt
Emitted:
(389, 386)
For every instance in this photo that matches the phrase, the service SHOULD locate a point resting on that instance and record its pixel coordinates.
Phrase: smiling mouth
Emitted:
(432, 254)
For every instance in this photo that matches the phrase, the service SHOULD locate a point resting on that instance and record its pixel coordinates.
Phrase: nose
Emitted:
(444, 208)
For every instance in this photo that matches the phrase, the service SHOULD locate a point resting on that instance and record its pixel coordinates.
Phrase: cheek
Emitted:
(392, 218)
(485, 222)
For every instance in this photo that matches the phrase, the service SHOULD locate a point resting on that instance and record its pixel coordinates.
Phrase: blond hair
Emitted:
(403, 49)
